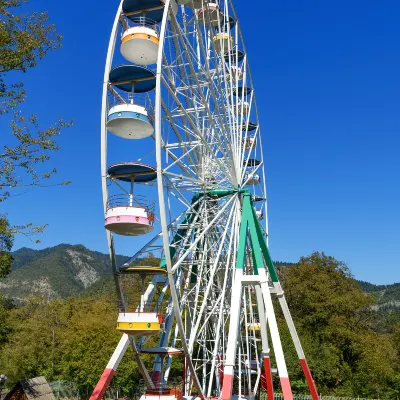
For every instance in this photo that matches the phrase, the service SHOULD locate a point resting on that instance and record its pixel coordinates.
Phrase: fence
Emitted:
(66, 390)
(279, 396)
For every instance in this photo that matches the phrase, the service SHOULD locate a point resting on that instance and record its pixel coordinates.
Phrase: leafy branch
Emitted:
(25, 39)
(18, 164)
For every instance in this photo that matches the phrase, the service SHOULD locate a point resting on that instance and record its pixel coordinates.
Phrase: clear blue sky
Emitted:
(327, 80)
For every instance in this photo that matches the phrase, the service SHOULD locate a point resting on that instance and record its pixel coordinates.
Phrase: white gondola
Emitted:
(222, 42)
(242, 108)
(236, 74)
(129, 121)
(253, 179)
(210, 14)
(139, 45)
(249, 143)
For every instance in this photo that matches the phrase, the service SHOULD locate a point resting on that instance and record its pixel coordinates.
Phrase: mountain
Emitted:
(387, 296)
(71, 270)
(56, 272)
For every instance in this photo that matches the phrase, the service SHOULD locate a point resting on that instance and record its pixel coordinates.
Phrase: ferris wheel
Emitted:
(177, 82)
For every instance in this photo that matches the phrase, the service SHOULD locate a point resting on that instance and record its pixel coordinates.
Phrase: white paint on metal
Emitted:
(118, 352)
(273, 327)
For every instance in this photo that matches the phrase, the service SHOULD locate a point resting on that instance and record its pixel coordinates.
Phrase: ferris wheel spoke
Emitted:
(204, 71)
(185, 145)
(186, 45)
(210, 281)
(243, 122)
(166, 109)
(178, 161)
(183, 179)
(226, 169)
(211, 224)
(195, 129)
(220, 321)
(211, 89)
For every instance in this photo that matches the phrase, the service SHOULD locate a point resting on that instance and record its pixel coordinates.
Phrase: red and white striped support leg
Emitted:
(102, 384)
(112, 366)
(230, 357)
(276, 341)
(227, 386)
(309, 379)
(296, 341)
(268, 378)
(286, 388)
(267, 384)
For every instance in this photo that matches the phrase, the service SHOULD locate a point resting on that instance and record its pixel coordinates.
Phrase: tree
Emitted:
(68, 339)
(24, 40)
(347, 357)
(6, 243)
(6, 306)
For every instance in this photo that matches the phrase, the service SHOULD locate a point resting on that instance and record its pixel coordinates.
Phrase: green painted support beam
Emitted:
(241, 252)
(251, 225)
(264, 249)
(255, 245)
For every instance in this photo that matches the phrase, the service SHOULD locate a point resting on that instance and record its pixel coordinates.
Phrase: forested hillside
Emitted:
(69, 270)
(353, 348)
(56, 272)
(387, 296)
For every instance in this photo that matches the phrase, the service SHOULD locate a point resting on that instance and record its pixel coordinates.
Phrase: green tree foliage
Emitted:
(347, 356)
(5, 314)
(72, 339)
(25, 38)
(6, 243)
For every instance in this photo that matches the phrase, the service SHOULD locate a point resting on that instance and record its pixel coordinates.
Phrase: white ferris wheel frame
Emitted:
(237, 176)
